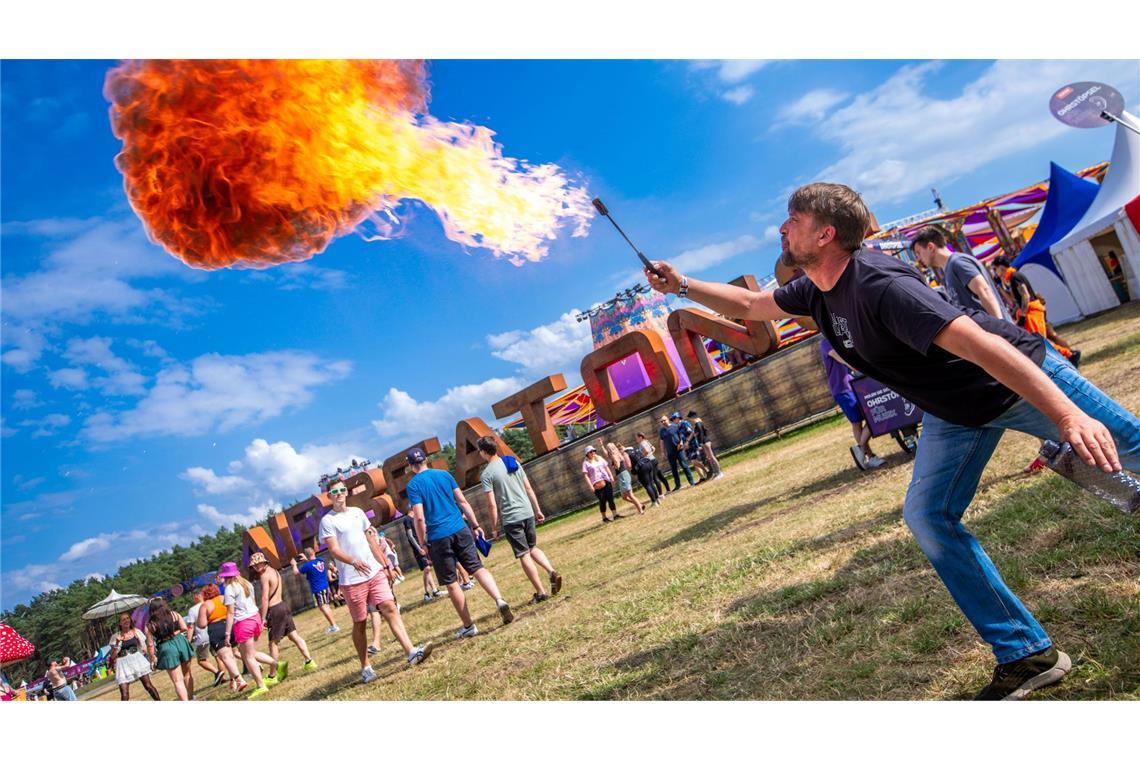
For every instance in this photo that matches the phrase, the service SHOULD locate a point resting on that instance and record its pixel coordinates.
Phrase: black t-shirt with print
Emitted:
(882, 318)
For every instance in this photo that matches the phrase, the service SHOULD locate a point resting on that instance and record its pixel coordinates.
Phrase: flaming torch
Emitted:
(255, 163)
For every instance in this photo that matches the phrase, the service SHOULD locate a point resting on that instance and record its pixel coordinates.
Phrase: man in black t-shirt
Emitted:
(974, 376)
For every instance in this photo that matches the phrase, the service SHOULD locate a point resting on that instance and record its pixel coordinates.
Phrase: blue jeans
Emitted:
(677, 459)
(947, 469)
(63, 694)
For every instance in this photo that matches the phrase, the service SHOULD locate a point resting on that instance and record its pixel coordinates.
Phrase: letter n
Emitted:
(689, 327)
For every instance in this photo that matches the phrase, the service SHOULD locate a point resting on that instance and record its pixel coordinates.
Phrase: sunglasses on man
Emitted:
(339, 489)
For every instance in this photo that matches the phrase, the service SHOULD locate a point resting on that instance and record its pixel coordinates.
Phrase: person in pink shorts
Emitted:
(243, 627)
(366, 576)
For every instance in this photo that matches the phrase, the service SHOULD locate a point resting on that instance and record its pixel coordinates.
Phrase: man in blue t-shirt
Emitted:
(315, 572)
(670, 439)
(974, 375)
(439, 508)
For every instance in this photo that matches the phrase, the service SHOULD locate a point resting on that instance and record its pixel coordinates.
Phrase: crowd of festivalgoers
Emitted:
(686, 445)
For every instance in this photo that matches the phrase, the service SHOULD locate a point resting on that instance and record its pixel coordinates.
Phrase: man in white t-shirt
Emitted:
(365, 576)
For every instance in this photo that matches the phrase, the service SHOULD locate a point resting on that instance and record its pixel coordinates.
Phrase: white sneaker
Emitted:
(419, 654)
(467, 586)
(875, 462)
(718, 476)
(368, 675)
(859, 456)
(428, 598)
(334, 628)
(467, 632)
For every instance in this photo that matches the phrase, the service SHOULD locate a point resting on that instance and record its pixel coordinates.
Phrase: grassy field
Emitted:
(792, 578)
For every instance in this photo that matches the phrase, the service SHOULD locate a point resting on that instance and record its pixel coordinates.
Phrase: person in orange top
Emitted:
(212, 617)
(1031, 307)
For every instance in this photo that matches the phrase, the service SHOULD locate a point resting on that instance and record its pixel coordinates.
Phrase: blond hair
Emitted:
(246, 586)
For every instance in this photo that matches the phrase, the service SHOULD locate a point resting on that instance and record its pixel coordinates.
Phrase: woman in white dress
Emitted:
(128, 661)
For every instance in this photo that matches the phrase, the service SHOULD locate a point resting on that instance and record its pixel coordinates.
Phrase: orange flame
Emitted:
(256, 163)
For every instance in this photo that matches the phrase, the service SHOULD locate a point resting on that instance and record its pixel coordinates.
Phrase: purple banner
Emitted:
(884, 409)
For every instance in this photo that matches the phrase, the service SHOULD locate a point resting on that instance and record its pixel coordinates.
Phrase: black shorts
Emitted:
(280, 621)
(423, 562)
(217, 633)
(520, 535)
(445, 552)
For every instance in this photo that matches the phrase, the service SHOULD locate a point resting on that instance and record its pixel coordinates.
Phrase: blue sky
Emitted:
(145, 403)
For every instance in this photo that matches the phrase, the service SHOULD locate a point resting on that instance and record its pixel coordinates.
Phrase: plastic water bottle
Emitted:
(1120, 489)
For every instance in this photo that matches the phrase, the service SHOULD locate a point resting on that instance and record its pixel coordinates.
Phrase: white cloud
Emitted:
(94, 577)
(216, 484)
(728, 78)
(32, 579)
(254, 514)
(89, 273)
(810, 107)
(95, 351)
(48, 425)
(706, 256)
(303, 276)
(71, 378)
(88, 546)
(899, 138)
(731, 71)
(283, 470)
(739, 95)
(24, 399)
(548, 348)
(220, 393)
(121, 378)
(92, 268)
(409, 420)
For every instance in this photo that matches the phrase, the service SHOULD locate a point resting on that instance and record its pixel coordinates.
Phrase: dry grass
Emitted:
(793, 578)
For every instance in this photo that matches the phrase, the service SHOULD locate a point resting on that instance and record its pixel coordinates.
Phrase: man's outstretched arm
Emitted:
(1089, 438)
(730, 300)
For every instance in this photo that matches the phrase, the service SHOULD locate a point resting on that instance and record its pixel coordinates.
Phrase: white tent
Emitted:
(1076, 254)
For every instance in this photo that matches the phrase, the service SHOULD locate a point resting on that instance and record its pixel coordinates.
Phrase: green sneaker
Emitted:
(310, 665)
(282, 670)
(1016, 679)
(269, 680)
(260, 692)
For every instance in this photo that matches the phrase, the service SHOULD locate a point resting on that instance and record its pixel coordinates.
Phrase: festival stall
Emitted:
(1100, 257)
(13, 648)
(1069, 198)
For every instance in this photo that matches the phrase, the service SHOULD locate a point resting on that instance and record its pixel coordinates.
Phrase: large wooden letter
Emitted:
(531, 402)
(690, 326)
(367, 491)
(662, 377)
(282, 529)
(257, 539)
(397, 473)
(467, 459)
(306, 517)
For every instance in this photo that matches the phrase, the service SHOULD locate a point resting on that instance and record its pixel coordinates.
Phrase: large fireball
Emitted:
(256, 163)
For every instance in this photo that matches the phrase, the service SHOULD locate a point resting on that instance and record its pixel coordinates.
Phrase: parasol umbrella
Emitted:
(114, 604)
(13, 646)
